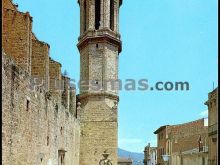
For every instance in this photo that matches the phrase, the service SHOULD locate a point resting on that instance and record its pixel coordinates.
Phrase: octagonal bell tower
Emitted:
(99, 46)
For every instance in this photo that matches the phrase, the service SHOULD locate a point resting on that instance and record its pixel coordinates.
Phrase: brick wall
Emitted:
(189, 128)
(189, 142)
(179, 138)
(186, 136)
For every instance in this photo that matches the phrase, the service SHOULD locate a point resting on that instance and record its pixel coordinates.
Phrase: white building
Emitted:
(150, 155)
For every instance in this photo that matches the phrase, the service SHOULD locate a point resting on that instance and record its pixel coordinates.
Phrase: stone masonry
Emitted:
(99, 46)
(212, 104)
(39, 124)
(44, 122)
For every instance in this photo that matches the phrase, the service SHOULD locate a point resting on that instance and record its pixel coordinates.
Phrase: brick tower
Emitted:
(99, 46)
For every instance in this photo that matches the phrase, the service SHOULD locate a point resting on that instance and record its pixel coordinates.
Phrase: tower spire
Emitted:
(99, 46)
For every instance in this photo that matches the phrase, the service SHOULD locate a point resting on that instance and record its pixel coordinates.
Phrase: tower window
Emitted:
(97, 14)
(27, 105)
(61, 130)
(47, 140)
(56, 108)
(112, 15)
(85, 16)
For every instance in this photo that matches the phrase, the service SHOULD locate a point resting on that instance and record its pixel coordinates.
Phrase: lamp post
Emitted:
(166, 159)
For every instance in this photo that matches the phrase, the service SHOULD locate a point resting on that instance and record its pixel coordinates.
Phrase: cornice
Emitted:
(99, 94)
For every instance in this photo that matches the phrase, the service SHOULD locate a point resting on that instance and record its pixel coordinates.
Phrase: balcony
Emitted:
(213, 129)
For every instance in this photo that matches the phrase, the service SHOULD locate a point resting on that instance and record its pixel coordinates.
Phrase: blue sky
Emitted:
(163, 40)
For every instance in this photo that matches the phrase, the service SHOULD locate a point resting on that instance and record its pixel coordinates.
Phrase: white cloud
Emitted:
(204, 113)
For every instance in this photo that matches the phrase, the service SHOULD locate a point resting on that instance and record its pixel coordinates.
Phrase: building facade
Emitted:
(99, 46)
(212, 104)
(183, 143)
(162, 140)
(150, 155)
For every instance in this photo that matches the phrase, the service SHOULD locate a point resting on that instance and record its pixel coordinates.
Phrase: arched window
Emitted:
(112, 15)
(97, 14)
(85, 17)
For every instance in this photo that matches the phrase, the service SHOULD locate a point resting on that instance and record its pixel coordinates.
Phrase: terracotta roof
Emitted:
(124, 160)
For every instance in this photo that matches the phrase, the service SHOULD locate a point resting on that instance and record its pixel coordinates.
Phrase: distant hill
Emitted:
(133, 155)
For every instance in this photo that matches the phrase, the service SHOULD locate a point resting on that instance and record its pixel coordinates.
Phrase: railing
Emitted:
(213, 129)
(196, 150)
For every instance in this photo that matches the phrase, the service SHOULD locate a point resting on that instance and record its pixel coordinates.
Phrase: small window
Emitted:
(61, 157)
(61, 130)
(97, 14)
(112, 15)
(56, 108)
(85, 16)
(48, 140)
(27, 105)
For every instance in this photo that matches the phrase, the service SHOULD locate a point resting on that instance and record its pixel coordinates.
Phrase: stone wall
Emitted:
(98, 116)
(16, 36)
(9, 5)
(39, 124)
(40, 62)
(99, 129)
(35, 126)
(55, 79)
(99, 54)
(212, 104)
